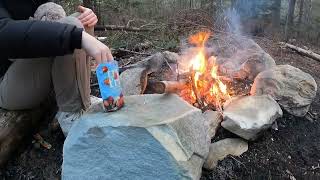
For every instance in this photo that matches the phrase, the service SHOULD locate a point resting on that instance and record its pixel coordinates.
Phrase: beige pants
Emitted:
(28, 82)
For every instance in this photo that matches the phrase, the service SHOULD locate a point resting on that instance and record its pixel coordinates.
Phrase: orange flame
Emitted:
(207, 83)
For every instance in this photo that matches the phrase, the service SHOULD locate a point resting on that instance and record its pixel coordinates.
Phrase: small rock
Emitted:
(214, 119)
(292, 88)
(221, 149)
(248, 116)
(131, 79)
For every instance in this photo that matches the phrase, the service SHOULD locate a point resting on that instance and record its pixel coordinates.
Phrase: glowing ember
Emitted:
(206, 88)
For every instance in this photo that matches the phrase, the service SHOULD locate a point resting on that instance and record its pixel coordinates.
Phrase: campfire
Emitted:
(205, 89)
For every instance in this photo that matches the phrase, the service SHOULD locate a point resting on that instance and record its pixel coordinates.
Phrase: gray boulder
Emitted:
(154, 63)
(221, 149)
(247, 63)
(152, 137)
(250, 115)
(134, 79)
(292, 88)
(131, 81)
(240, 57)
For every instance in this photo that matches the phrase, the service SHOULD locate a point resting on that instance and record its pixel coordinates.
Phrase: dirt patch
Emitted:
(291, 151)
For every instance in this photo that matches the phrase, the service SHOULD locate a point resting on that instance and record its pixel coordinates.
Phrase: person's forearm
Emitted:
(31, 39)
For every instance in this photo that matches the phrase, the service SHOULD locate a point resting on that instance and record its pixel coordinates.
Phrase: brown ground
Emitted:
(292, 151)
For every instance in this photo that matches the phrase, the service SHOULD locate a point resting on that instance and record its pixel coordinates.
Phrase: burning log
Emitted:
(162, 87)
(195, 90)
(206, 89)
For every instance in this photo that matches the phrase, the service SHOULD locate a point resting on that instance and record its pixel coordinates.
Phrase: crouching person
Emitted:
(44, 54)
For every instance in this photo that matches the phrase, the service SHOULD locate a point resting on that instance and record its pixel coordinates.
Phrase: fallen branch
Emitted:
(132, 52)
(120, 28)
(15, 128)
(102, 39)
(301, 51)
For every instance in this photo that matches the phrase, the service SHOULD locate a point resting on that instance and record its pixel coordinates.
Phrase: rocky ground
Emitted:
(287, 153)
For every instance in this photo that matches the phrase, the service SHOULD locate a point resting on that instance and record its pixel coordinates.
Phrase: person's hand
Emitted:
(100, 52)
(87, 17)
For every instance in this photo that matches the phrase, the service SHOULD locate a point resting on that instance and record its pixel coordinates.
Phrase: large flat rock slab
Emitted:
(152, 137)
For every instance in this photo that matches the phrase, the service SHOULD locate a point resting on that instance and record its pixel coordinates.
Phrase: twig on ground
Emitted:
(132, 52)
(129, 23)
(94, 85)
(120, 28)
(127, 63)
(315, 167)
(168, 64)
(238, 161)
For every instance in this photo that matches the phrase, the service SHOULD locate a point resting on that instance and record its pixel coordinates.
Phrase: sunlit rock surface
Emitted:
(250, 115)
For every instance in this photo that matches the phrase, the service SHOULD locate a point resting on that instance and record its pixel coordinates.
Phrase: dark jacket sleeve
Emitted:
(32, 39)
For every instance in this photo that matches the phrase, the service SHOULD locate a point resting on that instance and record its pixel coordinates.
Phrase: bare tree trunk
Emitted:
(300, 11)
(213, 9)
(276, 7)
(88, 4)
(290, 17)
(233, 3)
(97, 5)
(292, 6)
(307, 12)
(307, 17)
(301, 5)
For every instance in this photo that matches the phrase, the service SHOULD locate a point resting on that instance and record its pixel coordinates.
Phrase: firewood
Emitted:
(162, 87)
(303, 52)
(15, 128)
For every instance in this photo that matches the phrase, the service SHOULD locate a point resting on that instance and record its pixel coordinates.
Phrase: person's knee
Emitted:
(49, 12)
(72, 21)
(53, 12)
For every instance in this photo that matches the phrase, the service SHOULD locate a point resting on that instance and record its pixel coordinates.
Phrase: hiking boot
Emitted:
(67, 119)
